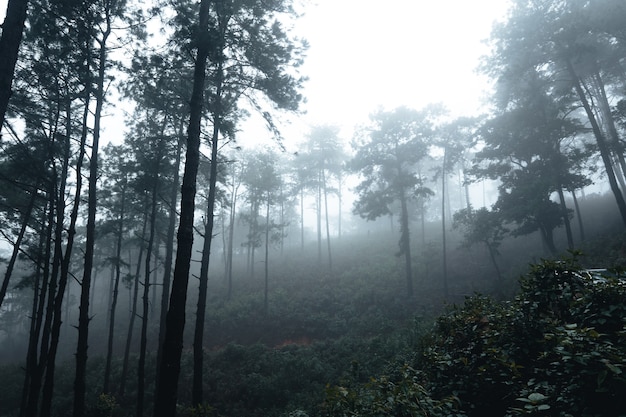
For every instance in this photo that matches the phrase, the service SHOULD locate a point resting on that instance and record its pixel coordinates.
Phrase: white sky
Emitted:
(370, 53)
(365, 54)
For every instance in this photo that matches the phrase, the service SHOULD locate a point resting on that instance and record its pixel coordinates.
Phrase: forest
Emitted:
(427, 265)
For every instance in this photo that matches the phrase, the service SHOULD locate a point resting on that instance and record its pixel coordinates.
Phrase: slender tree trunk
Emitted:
(579, 217)
(302, 218)
(566, 222)
(267, 257)
(169, 245)
(443, 226)
(405, 244)
(231, 236)
(30, 397)
(12, 30)
(547, 237)
(330, 258)
(80, 386)
(169, 368)
(141, 367)
(64, 259)
(229, 255)
(133, 313)
(198, 351)
(492, 256)
(115, 293)
(319, 219)
(340, 198)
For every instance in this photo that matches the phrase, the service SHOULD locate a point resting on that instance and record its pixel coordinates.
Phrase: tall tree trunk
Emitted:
(302, 218)
(319, 219)
(133, 310)
(443, 226)
(64, 259)
(143, 341)
(340, 203)
(80, 387)
(566, 222)
(267, 257)
(30, 398)
(330, 258)
(169, 368)
(169, 245)
(198, 351)
(231, 236)
(116, 283)
(12, 30)
(579, 217)
(405, 244)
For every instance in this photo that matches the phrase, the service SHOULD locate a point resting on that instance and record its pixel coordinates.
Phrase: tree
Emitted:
(482, 226)
(454, 138)
(251, 38)
(577, 47)
(323, 158)
(527, 146)
(385, 157)
(118, 172)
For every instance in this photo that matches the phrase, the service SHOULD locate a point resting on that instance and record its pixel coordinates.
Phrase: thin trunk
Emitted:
(169, 368)
(547, 237)
(492, 256)
(302, 218)
(319, 219)
(169, 245)
(579, 217)
(30, 396)
(330, 259)
(80, 386)
(64, 259)
(141, 366)
(340, 198)
(254, 234)
(116, 284)
(565, 215)
(267, 256)
(443, 226)
(133, 311)
(405, 245)
(231, 236)
(198, 352)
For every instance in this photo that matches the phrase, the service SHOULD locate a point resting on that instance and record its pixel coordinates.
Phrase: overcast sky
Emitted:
(369, 53)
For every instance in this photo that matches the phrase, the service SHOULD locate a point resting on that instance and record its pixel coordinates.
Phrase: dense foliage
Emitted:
(557, 349)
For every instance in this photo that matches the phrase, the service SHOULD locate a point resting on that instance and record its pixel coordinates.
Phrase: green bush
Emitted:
(558, 348)
(402, 396)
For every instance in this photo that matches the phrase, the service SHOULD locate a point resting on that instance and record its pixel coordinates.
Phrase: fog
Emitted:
(242, 208)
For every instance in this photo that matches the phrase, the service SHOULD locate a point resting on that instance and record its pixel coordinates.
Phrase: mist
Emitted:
(203, 212)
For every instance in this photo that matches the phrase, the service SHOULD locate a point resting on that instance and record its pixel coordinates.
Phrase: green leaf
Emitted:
(536, 397)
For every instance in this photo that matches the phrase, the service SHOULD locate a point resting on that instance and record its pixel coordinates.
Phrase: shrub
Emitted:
(558, 348)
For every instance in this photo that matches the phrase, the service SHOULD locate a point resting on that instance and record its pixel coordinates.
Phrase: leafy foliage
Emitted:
(557, 346)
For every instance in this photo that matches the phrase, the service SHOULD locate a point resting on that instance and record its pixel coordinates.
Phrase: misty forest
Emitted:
(424, 264)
